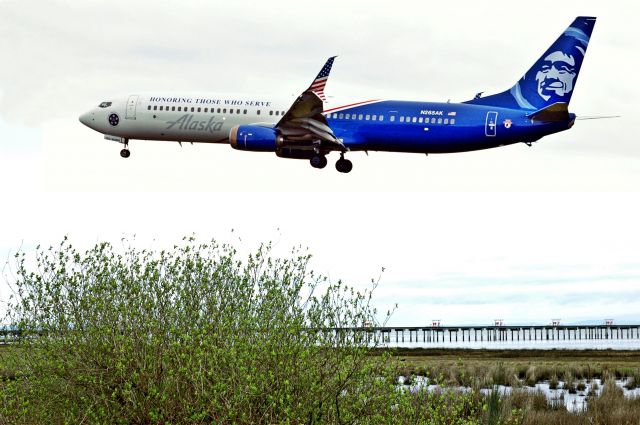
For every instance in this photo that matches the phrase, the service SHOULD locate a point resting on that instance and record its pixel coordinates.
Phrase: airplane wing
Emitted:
(303, 124)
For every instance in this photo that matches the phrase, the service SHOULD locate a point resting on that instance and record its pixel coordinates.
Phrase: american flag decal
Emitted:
(321, 80)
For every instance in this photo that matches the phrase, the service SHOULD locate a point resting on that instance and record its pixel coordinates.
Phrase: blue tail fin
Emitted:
(553, 77)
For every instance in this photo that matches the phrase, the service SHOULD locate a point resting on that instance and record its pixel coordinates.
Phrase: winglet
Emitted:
(317, 86)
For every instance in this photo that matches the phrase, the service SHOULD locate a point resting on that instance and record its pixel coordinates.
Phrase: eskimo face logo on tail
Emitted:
(556, 75)
(553, 77)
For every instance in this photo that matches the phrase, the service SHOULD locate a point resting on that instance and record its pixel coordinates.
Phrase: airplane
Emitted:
(309, 128)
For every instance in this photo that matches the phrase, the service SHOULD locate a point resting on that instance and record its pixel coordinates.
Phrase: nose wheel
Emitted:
(125, 152)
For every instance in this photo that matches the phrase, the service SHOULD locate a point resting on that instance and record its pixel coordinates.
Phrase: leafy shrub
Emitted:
(193, 334)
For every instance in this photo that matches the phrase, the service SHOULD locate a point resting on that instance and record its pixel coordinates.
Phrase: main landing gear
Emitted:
(318, 161)
(344, 165)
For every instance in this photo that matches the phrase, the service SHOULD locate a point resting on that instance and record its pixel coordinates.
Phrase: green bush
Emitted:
(192, 334)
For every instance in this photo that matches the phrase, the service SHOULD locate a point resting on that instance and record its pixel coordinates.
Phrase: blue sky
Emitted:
(524, 234)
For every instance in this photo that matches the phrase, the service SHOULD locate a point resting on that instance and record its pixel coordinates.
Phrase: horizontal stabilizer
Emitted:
(556, 112)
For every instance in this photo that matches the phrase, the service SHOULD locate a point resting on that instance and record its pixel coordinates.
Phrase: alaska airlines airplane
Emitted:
(307, 128)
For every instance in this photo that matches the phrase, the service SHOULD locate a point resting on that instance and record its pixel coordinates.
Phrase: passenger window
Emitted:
(192, 109)
(414, 119)
(367, 117)
(237, 111)
(453, 121)
(446, 120)
(224, 111)
(173, 108)
(420, 120)
(270, 112)
(360, 117)
(218, 110)
(231, 111)
(155, 107)
(401, 119)
(161, 107)
(245, 112)
(347, 116)
(277, 113)
(199, 109)
(433, 120)
(341, 116)
(258, 112)
(393, 118)
(439, 120)
(408, 119)
(149, 108)
(380, 118)
(374, 117)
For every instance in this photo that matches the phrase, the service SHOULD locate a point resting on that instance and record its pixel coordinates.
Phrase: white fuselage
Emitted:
(202, 118)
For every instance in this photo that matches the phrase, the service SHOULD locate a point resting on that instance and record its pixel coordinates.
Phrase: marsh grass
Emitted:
(512, 368)
(569, 383)
(509, 367)
(581, 386)
(633, 380)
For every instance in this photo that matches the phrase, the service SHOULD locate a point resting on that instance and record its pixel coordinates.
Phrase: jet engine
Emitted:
(254, 138)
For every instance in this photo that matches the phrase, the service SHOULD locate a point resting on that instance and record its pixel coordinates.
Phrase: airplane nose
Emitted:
(87, 119)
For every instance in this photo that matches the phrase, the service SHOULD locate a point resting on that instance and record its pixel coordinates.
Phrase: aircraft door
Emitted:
(491, 124)
(132, 104)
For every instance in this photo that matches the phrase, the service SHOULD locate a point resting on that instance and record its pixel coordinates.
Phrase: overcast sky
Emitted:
(521, 233)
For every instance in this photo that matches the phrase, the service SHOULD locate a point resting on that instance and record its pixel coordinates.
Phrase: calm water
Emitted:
(572, 402)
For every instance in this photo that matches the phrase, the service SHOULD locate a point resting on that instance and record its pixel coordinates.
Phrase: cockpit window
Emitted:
(105, 104)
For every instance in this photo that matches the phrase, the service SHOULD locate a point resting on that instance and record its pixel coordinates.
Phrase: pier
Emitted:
(456, 334)
(465, 334)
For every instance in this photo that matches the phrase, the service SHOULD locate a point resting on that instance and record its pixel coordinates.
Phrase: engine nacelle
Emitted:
(254, 138)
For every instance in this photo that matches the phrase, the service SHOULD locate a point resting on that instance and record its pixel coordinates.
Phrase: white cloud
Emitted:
(433, 220)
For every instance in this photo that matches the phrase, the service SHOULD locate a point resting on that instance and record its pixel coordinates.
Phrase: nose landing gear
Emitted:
(125, 152)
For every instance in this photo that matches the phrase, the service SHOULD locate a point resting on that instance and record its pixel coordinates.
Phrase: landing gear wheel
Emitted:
(318, 161)
(344, 165)
(125, 153)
